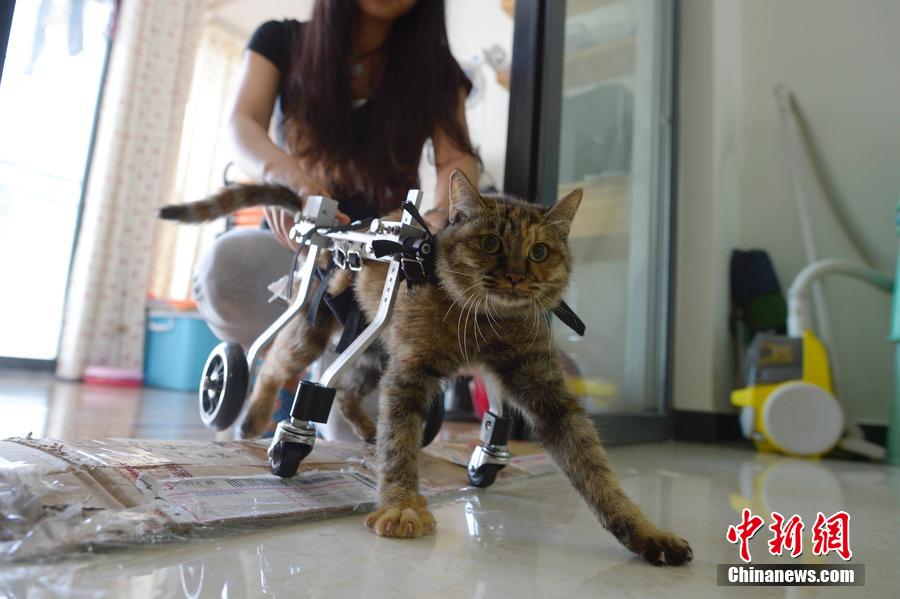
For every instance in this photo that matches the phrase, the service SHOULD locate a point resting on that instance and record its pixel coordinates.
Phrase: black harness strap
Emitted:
(354, 323)
(315, 302)
(416, 255)
(343, 305)
(569, 318)
(321, 294)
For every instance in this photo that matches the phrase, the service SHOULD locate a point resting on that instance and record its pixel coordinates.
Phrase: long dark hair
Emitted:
(375, 159)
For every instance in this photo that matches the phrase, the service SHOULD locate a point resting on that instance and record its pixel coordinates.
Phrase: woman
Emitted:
(359, 90)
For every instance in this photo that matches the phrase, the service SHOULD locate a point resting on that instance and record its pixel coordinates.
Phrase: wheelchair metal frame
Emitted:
(295, 436)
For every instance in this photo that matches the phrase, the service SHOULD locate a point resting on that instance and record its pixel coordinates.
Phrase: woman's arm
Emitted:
(257, 154)
(448, 157)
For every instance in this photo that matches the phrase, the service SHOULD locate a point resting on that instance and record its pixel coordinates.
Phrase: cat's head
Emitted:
(511, 254)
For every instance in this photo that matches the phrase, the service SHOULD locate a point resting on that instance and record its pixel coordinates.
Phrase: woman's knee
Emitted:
(231, 280)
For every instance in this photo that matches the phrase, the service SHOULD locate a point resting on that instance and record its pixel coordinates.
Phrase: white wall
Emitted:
(841, 59)
(472, 26)
(242, 17)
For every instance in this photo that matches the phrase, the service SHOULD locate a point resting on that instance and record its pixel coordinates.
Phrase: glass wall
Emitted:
(614, 143)
(52, 75)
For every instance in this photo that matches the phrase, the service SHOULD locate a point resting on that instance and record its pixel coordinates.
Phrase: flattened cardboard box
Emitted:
(60, 496)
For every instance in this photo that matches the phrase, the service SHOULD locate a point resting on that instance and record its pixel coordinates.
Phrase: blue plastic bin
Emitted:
(177, 346)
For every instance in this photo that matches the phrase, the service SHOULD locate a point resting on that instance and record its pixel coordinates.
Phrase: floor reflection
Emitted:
(36, 403)
(772, 483)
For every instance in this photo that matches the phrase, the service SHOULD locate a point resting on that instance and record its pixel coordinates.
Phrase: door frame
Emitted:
(532, 167)
(6, 16)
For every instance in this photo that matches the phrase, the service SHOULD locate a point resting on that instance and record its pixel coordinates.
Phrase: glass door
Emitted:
(48, 97)
(603, 117)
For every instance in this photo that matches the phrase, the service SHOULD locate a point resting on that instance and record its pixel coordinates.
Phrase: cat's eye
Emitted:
(490, 244)
(539, 252)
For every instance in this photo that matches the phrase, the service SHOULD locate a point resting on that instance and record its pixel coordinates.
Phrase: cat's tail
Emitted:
(231, 199)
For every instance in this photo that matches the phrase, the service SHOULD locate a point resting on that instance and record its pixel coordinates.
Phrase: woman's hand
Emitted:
(281, 220)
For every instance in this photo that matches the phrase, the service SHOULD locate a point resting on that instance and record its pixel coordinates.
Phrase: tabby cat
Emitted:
(502, 265)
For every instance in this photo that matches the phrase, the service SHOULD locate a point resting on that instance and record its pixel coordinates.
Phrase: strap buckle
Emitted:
(413, 269)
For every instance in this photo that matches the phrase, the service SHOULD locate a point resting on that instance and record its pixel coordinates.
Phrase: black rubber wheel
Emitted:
(286, 456)
(223, 386)
(434, 419)
(485, 476)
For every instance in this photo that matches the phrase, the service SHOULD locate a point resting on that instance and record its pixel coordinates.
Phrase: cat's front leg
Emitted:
(401, 511)
(534, 383)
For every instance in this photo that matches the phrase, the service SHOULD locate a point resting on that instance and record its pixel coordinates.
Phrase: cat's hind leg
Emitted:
(362, 379)
(291, 353)
(350, 404)
(534, 384)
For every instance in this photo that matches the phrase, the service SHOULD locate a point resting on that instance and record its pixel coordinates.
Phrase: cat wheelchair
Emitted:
(409, 249)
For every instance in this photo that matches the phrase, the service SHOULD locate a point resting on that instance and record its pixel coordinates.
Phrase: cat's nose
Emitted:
(515, 277)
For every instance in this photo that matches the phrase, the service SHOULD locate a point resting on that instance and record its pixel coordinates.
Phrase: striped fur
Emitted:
(489, 312)
(231, 199)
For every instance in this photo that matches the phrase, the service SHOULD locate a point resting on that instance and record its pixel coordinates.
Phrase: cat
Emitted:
(502, 265)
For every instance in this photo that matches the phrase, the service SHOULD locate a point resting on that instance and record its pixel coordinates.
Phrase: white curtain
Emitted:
(132, 173)
(205, 152)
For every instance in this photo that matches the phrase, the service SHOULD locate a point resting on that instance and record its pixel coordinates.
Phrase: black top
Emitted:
(277, 42)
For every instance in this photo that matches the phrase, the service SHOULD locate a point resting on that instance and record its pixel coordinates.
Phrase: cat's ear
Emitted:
(464, 198)
(563, 212)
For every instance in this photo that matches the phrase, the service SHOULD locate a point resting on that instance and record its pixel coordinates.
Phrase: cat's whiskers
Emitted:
(534, 326)
(495, 311)
(456, 272)
(460, 322)
(473, 309)
(547, 320)
(499, 311)
(488, 299)
(477, 328)
(456, 299)
(459, 337)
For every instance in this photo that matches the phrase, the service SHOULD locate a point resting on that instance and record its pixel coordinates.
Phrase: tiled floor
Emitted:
(532, 538)
(35, 403)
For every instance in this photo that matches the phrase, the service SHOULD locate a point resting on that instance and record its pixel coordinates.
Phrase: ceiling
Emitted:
(242, 17)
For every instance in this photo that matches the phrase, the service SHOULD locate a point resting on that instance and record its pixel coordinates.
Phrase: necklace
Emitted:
(358, 67)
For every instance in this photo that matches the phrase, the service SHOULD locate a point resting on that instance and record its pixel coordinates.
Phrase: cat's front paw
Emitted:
(403, 519)
(664, 549)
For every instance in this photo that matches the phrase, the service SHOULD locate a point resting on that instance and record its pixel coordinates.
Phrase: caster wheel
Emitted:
(285, 458)
(223, 387)
(433, 419)
(485, 476)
